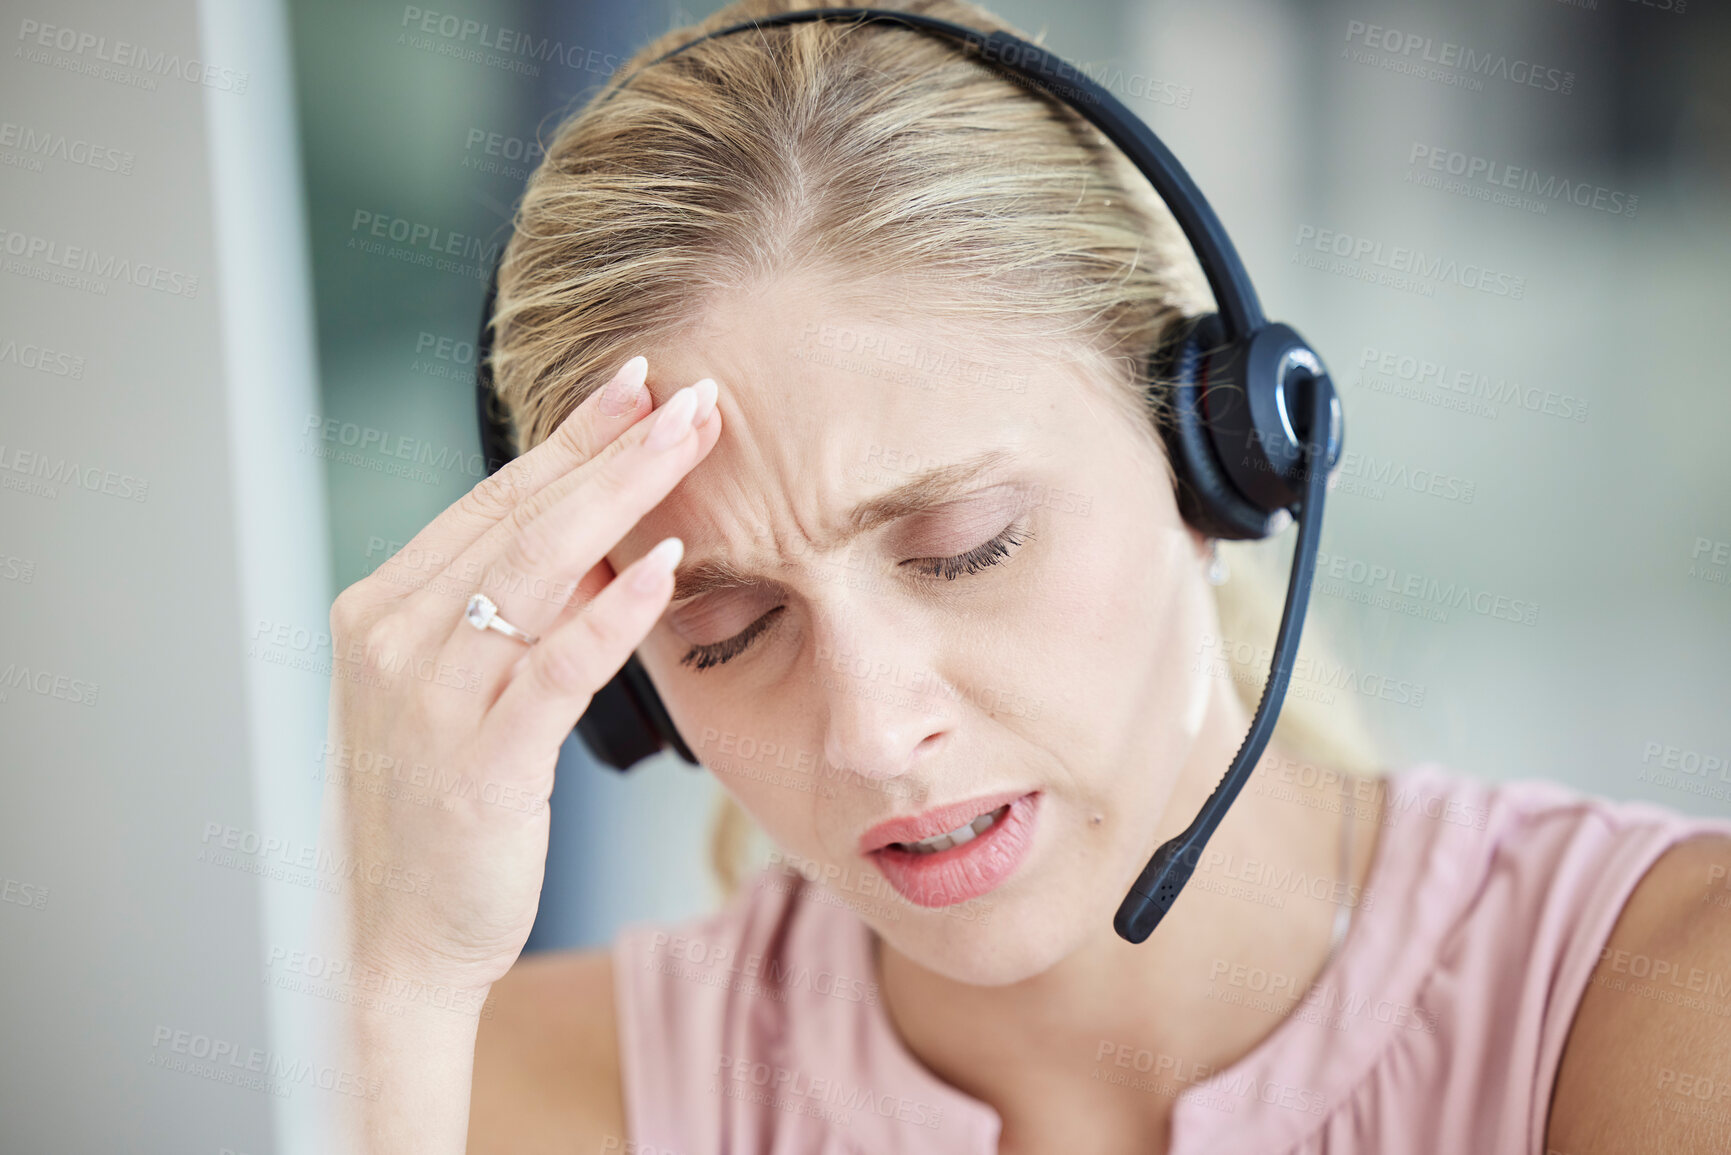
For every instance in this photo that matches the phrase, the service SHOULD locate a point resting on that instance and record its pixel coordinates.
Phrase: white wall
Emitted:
(155, 507)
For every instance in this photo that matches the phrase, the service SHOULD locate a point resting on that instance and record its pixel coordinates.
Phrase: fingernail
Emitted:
(674, 420)
(620, 396)
(657, 564)
(706, 393)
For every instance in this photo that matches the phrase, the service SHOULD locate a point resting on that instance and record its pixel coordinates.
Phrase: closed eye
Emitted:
(993, 552)
(976, 559)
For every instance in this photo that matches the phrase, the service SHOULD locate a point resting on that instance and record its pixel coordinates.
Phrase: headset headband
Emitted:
(1234, 297)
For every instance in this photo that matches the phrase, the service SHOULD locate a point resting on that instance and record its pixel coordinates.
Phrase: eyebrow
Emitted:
(922, 494)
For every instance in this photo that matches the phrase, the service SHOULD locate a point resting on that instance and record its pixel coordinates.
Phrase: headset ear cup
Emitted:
(627, 722)
(615, 727)
(1207, 498)
(649, 702)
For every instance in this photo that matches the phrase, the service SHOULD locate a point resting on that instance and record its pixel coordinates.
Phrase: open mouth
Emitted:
(962, 834)
(975, 847)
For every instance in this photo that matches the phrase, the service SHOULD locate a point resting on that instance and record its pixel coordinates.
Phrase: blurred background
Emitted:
(228, 393)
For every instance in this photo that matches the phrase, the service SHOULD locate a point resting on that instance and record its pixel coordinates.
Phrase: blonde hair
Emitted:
(873, 156)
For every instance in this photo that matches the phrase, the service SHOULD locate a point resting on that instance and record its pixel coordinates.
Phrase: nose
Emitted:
(886, 709)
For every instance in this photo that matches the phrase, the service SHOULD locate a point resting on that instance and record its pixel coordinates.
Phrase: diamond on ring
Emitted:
(481, 611)
(484, 615)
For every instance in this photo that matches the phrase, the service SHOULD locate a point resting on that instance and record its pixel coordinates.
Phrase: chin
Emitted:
(1050, 905)
(1005, 937)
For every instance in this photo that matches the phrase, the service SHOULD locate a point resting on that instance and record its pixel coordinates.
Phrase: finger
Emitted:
(590, 427)
(439, 601)
(561, 536)
(552, 684)
(526, 551)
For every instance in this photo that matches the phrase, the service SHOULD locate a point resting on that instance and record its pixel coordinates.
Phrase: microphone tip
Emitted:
(1137, 917)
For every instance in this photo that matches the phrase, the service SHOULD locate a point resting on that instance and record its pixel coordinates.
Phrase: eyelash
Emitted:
(992, 553)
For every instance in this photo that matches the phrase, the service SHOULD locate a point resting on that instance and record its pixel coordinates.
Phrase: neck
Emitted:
(1089, 1054)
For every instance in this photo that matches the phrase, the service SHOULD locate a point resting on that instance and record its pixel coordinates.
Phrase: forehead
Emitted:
(830, 398)
(802, 356)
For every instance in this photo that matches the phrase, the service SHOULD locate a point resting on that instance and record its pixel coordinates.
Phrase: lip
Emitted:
(962, 872)
(938, 820)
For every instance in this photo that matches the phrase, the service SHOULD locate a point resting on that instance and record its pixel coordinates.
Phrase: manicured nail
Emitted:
(674, 420)
(657, 564)
(706, 393)
(620, 396)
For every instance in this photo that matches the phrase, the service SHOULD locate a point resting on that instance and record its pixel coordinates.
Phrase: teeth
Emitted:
(961, 835)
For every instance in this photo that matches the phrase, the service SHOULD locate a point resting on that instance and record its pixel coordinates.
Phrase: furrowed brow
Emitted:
(707, 577)
(930, 489)
(921, 494)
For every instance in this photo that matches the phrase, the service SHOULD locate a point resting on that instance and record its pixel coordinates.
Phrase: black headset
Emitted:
(1246, 394)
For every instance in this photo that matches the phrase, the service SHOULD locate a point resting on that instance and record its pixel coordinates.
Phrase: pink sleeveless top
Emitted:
(1437, 1027)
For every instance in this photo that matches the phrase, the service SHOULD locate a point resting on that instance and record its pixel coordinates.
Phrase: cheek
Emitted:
(778, 778)
(1117, 602)
(780, 799)
(1119, 622)
(760, 748)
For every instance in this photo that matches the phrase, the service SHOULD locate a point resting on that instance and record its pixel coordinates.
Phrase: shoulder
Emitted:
(1647, 1064)
(547, 1059)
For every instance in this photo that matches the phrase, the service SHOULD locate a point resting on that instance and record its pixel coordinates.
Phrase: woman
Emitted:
(831, 345)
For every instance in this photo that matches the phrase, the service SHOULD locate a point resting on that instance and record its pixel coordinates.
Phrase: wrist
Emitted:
(418, 1059)
(389, 991)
